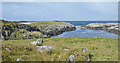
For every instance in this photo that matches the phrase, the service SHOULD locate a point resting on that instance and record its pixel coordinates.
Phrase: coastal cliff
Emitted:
(17, 31)
(108, 27)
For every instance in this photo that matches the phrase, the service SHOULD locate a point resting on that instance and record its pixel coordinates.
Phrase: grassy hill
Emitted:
(19, 31)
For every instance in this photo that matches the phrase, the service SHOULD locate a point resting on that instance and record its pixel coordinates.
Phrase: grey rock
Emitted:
(88, 58)
(66, 49)
(23, 58)
(85, 50)
(44, 48)
(71, 58)
(34, 43)
(8, 49)
(37, 41)
(19, 59)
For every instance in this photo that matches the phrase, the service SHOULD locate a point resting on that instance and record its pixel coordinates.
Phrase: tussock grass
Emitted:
(99, 49)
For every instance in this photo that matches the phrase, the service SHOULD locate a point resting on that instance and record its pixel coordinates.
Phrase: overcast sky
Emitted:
(62, 11)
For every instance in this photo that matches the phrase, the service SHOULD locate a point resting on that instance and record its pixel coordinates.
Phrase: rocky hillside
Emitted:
(14, 30)
(108, 27)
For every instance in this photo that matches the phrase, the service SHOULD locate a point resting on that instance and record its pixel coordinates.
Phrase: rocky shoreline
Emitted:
(56, 29)
(108, 27)
(17, 31)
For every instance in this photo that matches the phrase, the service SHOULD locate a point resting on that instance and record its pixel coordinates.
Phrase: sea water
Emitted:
(83, 32)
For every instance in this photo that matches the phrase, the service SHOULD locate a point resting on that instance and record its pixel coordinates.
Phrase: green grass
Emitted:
(100, 49)
(42, 25)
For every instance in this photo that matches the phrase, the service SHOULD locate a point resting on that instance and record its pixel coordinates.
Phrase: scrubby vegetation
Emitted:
(99, 49)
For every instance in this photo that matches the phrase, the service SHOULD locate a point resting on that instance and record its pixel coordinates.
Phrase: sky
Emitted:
(61, 11)
(59, 0)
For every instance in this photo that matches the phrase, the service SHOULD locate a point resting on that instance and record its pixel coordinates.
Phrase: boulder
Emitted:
(44, 48)
(66, 49)
(85, 50)
(8, 49)
(34, 43)
(71, 58)
(88, 58)
(20, 59)
(38, 41)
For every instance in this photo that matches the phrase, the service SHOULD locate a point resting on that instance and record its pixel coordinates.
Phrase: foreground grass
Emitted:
(100, 49)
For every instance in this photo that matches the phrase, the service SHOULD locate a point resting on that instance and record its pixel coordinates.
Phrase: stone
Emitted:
(85, 50)
(44, 48)
(37, 41)
(71, 58)
(19, 59)
(34, 43)
(23, 58)
(88, 58)
(66, 49)
(8, 49)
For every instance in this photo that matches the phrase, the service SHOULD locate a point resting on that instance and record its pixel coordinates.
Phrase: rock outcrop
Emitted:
(56, 29)
(14, 31)
(17, 31)
(108, 27)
